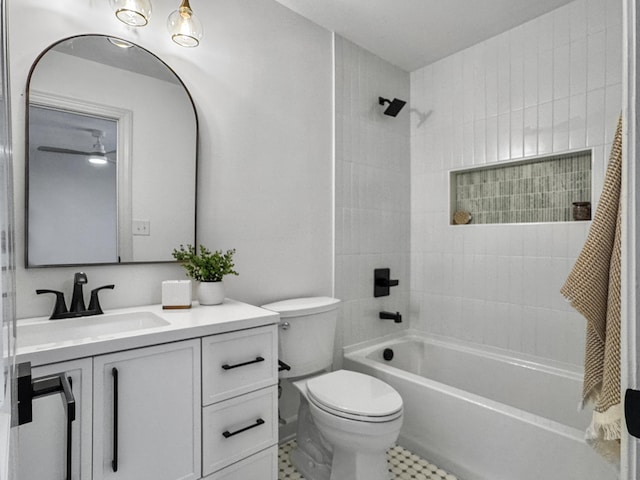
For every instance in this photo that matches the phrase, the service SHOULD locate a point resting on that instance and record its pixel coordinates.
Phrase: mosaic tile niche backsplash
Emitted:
(540, 190)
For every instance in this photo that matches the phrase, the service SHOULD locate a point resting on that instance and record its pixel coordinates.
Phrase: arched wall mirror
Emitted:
(111, 156)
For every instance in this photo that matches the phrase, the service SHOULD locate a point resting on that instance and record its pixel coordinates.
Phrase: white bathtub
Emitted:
(483, 415)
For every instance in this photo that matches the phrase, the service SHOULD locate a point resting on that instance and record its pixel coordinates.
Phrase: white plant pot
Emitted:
(210, 293)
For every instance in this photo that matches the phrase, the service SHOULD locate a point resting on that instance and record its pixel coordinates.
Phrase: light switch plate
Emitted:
(142, 227)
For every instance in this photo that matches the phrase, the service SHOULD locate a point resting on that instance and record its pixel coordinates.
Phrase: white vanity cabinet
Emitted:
(240, 405)
(196, 398)
(43, 442)
(147, 413)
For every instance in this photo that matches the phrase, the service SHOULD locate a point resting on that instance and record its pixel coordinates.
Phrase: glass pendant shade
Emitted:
(132, 12)
(184, 27)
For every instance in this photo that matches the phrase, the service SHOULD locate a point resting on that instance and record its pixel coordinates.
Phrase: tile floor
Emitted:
(402, 463)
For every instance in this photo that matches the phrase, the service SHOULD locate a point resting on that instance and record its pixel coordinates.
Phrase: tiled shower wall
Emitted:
(548, 86)
(372, 192)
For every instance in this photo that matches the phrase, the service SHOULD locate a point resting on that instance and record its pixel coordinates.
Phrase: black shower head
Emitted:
(394, 107)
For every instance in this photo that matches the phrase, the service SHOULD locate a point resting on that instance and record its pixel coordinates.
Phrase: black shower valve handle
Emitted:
(382, 282)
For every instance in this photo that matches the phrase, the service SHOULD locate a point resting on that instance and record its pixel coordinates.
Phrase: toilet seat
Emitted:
(355, 396)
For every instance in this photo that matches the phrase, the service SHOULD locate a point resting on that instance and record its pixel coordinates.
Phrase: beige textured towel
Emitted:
(593, 288)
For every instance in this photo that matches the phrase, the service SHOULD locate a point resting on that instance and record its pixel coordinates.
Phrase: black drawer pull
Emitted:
(227, 433)
(226, 366)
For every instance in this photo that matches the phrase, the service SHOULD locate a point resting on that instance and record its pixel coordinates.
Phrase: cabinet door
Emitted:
(43, 442)
(147, 414)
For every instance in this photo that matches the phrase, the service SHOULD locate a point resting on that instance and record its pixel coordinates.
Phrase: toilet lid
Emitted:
(354, 394)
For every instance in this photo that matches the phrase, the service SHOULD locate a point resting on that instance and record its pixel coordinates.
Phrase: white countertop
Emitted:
(198, 321)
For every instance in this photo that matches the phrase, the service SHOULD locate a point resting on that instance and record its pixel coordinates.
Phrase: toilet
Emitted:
(346, 420)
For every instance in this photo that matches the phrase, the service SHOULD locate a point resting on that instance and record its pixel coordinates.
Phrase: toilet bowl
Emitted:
(358, 418)
(346, 420)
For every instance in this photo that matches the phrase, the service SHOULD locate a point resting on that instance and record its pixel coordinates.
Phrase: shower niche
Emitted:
(541, 189)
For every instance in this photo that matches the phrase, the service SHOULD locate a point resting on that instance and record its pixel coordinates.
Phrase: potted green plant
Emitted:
(208, 269)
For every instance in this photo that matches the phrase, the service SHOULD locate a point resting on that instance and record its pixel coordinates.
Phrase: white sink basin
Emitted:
(54, 331)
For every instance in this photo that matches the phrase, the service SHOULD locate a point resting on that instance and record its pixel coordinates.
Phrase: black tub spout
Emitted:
(396, 317)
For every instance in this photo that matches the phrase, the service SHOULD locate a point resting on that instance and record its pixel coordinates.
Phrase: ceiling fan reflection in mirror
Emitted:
(96, 156)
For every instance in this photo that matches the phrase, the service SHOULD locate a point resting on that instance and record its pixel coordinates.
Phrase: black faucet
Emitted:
(77, 306)
(77, 299)
(396, 317)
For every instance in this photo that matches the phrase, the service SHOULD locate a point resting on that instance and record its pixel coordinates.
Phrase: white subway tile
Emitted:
(614, 55)
(515, 315)
(517, 136)
(613, 109)
(516, 69)
(479, 147)
(577, 121)
(491, 279)
(561, 26)
(561, 125)
(544, 235)
(529, 331)
(531, 131)
(504, 75)
(578, 20)
(596, 16)
(578, 72)
(595, 117)
(596, 62)
(468, 140)
(491, 141)
(545, 32)
(545, 128)
(491, 78)
(516, 280)
(457, 145)
(545, 76)
(530, 71)
(614, 12)
(504, 136)
(561, 71)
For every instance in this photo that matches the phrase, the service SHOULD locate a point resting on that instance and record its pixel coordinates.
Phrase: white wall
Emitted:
(547, 86)
(262, 84)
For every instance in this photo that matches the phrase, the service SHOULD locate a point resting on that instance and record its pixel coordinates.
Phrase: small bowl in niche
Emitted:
(582, 210)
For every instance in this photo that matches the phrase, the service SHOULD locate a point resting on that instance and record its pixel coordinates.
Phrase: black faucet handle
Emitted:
(94, 302)
(382, 282)
(60, 307)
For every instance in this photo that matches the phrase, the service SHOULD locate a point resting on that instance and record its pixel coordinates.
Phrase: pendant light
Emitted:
(132, 12)
(184, 27)
(99, 155)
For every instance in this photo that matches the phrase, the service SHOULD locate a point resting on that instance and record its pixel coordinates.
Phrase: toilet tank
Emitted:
(306, 333)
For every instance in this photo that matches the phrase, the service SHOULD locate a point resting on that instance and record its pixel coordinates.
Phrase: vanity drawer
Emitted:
(260, 466)
(238, 427)
(238, 362)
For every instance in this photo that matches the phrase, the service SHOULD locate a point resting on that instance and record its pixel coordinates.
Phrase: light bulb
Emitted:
(97, 160)
(132, 12)
(184, 26)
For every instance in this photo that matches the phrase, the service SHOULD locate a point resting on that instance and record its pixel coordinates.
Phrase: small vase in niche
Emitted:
(582, 210)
